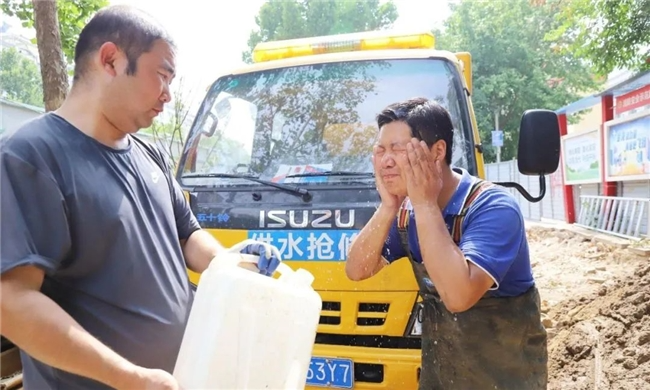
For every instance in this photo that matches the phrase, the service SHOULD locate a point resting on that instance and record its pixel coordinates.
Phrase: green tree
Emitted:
(514, 68)
(72, 15)
(610, 34)
(168, 131)
(289, 19)
(57, 25)
(20, 79)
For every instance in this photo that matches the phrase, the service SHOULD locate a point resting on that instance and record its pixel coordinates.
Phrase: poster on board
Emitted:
(627, 142)
(581, 157)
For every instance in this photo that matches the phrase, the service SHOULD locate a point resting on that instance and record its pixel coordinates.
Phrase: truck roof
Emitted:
(347, 56)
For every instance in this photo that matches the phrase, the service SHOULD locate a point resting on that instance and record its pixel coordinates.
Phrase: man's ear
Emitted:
(110, 58)
(439, 150)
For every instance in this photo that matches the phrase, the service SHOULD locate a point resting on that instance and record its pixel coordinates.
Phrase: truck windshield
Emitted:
(286, 125)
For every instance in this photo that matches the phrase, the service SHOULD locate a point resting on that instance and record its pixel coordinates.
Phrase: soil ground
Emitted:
(596, 303)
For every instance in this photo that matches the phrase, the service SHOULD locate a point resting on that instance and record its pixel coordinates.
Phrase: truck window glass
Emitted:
(316, 116)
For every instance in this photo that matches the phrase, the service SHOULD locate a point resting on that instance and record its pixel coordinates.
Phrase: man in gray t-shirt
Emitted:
(96, 234)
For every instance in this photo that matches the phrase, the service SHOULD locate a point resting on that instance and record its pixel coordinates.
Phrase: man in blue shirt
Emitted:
(466, 241)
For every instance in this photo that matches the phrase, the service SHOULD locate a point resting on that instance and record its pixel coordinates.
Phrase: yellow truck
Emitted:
(279, 151)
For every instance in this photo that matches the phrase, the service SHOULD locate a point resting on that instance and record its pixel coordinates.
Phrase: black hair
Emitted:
(132, 30)
(428, 120)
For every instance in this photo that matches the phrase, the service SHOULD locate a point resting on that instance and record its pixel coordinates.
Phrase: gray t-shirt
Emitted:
(105, 226)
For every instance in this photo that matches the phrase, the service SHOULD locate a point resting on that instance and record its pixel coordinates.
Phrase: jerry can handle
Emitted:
(253, 259)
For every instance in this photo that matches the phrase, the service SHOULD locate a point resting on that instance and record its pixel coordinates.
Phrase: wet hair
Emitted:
(428, 120)
(132, 30)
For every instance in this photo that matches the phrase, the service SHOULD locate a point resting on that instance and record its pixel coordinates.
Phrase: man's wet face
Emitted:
(391, 146)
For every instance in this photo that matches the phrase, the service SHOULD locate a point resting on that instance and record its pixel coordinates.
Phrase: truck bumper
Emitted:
(375, 368)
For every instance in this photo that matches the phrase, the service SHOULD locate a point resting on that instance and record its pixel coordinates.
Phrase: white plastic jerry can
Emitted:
(247, 330)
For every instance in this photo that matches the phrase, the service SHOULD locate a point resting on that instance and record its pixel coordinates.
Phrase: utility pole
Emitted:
(497, 131)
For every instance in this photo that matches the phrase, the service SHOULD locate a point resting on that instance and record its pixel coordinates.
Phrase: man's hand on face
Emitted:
(388, 200)
(423, 172)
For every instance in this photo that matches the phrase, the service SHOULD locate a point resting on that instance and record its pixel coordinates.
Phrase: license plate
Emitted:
(329, 372)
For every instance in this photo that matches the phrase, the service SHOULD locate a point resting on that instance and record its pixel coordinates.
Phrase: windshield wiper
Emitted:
(305, 194)
(332, 173)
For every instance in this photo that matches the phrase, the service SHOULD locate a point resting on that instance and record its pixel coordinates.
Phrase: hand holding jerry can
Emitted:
(247, 330)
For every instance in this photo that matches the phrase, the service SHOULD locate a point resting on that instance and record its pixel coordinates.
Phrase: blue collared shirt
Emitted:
(493, 237)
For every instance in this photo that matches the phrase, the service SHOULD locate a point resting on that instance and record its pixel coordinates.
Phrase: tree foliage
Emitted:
(610, 34)
(73, 16)
(514, 69)
(289, 19)
(168, 131)
(57, 25)
(20, 79)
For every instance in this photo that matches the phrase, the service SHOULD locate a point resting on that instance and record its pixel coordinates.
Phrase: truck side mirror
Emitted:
(539, 143)
(210, 123)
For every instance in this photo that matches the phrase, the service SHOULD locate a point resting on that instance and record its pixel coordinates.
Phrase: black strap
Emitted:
(404, 240)
(419, 270)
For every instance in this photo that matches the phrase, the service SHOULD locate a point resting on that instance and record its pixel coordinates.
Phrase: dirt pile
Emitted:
(602, 340)
(569, 265)
(596, 304)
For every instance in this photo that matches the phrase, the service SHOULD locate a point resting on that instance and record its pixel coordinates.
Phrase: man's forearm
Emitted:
(443, 260)
(199, 250)
(46, 332)
(364, 257)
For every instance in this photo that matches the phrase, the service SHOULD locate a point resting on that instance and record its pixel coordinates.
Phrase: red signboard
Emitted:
(631, 100)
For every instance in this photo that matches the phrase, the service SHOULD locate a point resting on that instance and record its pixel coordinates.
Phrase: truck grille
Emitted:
(369, 314)
(372, 314)
(331, 313)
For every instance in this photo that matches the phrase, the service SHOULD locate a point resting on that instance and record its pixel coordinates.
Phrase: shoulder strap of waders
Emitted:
(403, 216)
(456, 230)
(457, 226)
(419, 270)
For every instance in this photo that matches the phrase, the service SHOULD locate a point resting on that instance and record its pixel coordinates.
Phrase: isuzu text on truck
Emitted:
(280, 152)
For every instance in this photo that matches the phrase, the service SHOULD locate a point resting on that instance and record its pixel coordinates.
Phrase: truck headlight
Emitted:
(414, 328)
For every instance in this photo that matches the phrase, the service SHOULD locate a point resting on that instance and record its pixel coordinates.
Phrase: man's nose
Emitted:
(166, 96)
(387, 160)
